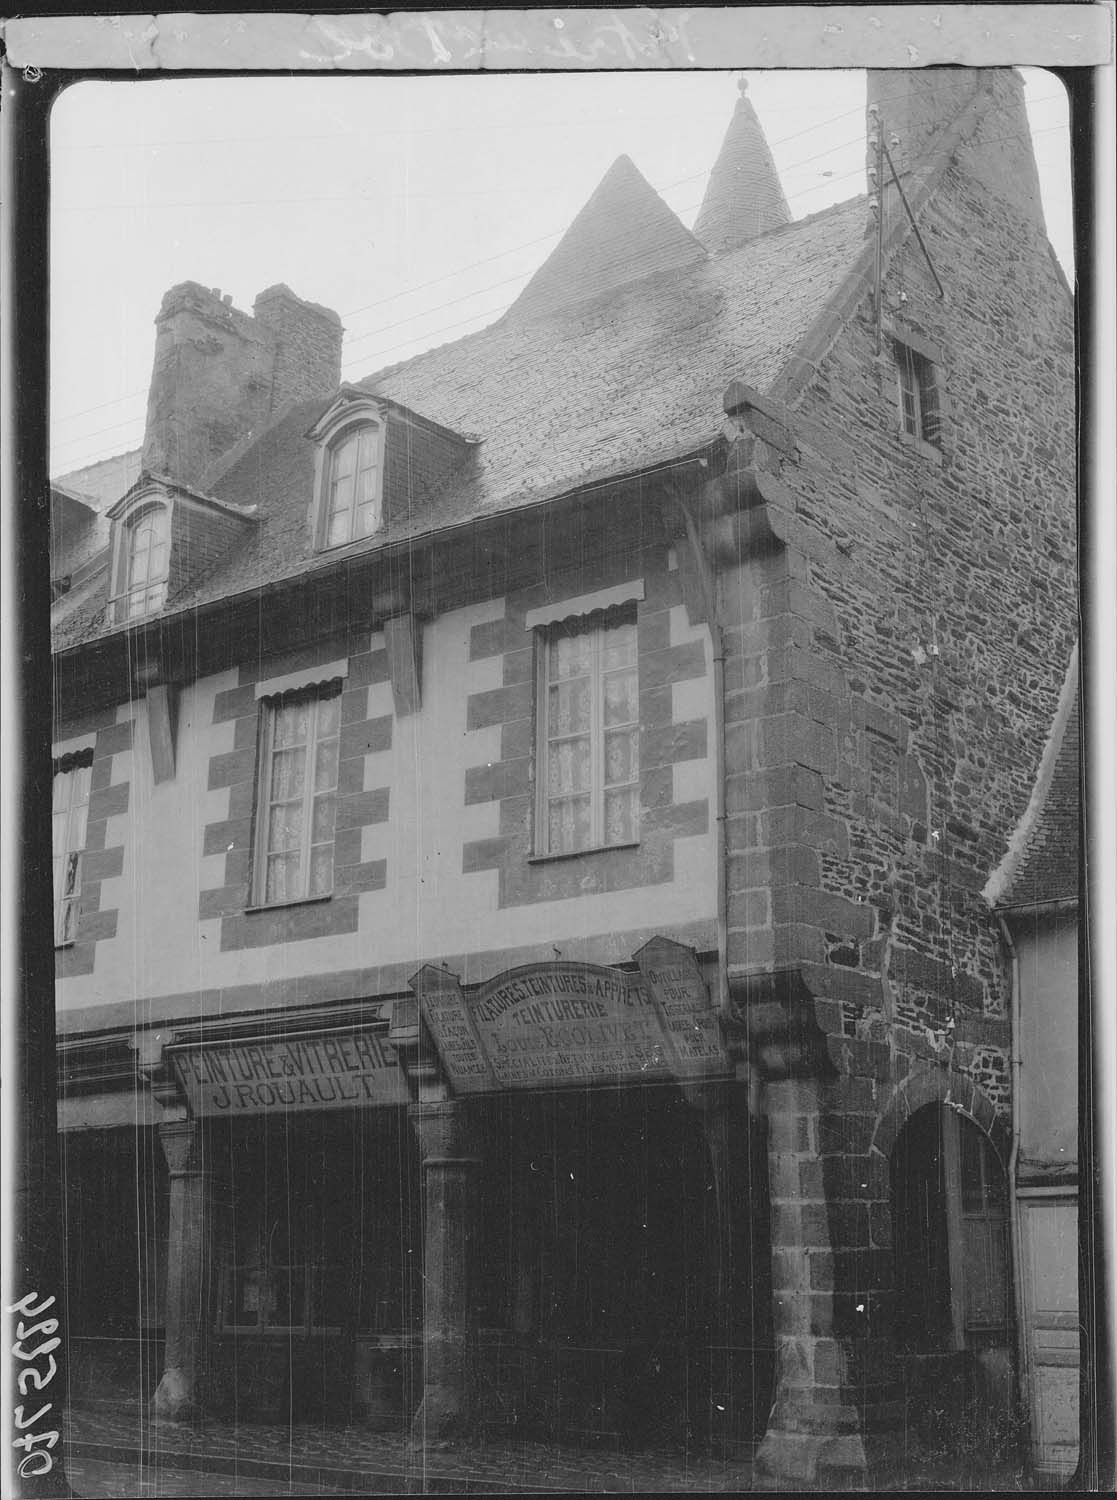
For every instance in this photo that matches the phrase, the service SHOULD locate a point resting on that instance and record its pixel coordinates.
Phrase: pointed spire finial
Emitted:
(744, 197)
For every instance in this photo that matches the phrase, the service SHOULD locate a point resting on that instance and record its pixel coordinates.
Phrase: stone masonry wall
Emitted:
(220, 375)
(897, 634)
(307, 339)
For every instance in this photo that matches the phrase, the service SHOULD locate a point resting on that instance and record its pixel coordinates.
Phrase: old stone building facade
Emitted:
(522, 819)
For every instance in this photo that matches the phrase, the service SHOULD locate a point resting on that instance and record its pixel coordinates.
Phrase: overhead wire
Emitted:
(76, 441)
(528, 244)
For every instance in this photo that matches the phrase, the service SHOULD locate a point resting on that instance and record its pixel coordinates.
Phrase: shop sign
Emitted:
(568, 1023)
(448, 1021)
(564, 1022)
(338, 1070)
(676, 985)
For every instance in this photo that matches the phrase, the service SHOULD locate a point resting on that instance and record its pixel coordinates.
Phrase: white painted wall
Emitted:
(429, 909)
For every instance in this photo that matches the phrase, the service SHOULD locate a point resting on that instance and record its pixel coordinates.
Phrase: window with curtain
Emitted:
(351, 498)
(589, 736)
(70, 807)
(297, 796)
(145, 564)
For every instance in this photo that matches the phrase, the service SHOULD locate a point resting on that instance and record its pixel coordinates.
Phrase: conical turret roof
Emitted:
(744, 198)
(624, 233)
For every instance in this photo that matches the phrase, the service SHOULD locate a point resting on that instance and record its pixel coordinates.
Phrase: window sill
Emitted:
(546, 859)
(260, 906)
(921, 445)
(327, 548)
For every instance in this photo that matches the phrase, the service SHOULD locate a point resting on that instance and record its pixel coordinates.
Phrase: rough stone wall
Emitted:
(210, 384)
(897, 637)
(952, 587)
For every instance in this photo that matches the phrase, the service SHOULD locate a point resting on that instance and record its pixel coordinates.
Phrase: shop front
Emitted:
(607, 1174)
(298, 1190)
(532, 1205)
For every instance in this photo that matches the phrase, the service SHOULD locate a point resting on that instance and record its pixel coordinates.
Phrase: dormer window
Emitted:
(375, 457)
(141, 563)
(349, 477)
(352, 496)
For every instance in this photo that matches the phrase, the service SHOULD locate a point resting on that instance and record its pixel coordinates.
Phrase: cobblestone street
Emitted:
(110, 1454)
(113, 1454)
(96, 1479)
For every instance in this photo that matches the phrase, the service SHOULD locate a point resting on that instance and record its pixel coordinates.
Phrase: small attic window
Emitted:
(141, 561)
(350, 490)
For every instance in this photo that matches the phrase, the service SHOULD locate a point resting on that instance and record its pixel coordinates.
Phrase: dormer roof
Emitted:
(148, 482)
(744, 198)
(624, 234)
(354, 397)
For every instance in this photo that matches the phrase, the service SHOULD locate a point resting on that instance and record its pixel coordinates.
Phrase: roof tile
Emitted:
(564, 399)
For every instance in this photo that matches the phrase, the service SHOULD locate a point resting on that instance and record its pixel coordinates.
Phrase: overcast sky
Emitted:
(415, 207)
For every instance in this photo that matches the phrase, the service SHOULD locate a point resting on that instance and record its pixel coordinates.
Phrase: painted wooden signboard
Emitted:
(565, 1023)
(569, 1023)
(675, 982)
(447, 1017)
(341, 1070)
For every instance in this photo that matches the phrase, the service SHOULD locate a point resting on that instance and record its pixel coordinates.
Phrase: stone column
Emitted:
(836, 1414)
(450, 1193)
(815, 1422)
(176, 1396)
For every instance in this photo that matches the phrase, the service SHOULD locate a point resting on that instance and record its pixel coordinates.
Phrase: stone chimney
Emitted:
(307, 345)
(744, 197)
(917, 106)
(221, 376)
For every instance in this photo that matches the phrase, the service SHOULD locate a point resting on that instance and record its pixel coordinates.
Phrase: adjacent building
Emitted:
(1035, 892)
(521, 821)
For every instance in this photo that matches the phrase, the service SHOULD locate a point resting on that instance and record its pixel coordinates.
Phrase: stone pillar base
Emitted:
(440, 1418)
(826, 1450)
(174, 1399)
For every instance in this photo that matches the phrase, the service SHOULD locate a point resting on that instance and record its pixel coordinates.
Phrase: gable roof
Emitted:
(1041, 864)
(624, 233)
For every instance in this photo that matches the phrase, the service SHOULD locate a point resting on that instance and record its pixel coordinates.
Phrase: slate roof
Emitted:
(744, 197)
(1042, 862)
(560, 399)
(105, 481)
(623, 233)
(606, 388)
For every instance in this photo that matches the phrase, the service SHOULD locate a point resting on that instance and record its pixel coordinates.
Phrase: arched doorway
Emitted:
(953, 1282)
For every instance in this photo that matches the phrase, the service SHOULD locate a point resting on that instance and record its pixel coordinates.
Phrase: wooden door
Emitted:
(1049, 1245)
